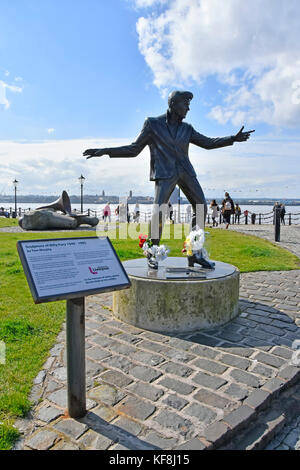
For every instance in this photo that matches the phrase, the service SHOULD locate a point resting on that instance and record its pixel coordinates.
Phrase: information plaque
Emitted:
(68, 268)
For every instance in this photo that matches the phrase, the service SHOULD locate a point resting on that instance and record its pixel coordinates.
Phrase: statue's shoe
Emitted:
(199, 259)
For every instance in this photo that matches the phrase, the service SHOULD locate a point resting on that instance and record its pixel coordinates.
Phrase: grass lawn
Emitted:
(28, 331)
(4, 222)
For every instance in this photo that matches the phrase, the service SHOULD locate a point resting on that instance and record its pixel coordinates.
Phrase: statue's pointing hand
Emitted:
(94, 153)
(242, 136)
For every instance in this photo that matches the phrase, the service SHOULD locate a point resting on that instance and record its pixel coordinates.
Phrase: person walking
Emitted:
(170, 212)
(275, 207)
(237, 213)
(214, 212)
(136, 213)
(227, 209)
(122, 212)
(107, 212)
(188, 213)
(282, 213)
(117, 211)
(3, 212)
(127, 213)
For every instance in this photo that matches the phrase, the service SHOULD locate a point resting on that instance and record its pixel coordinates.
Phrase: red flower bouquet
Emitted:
(144, 239)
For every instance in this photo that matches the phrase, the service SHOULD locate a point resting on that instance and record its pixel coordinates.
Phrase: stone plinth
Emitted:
(175, 301)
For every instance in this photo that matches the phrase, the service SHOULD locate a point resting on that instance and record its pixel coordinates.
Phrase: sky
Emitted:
(78, 74)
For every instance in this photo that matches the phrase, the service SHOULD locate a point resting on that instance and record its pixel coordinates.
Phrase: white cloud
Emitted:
(50, 130)
(48, 167)
(149, 3)
(3, 88)
(252, 47)
(269, 165)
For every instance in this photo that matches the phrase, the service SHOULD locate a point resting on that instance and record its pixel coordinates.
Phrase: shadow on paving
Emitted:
(115, 433)
(261, 327)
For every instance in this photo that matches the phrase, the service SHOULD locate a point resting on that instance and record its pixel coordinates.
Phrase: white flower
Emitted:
(145, 248)
(159, 253)
(197, 239)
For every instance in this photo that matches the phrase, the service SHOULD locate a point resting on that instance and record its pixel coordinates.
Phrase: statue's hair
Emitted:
(174, 95)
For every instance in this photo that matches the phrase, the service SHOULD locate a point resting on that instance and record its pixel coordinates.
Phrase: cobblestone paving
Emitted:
(153, 391)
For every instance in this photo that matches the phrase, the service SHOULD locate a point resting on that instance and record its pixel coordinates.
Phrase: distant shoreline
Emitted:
(5, 200)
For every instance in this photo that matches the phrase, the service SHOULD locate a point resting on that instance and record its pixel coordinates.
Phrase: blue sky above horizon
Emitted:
(81, 74)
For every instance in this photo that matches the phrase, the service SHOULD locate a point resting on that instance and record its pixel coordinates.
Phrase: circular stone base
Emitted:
(171, 299)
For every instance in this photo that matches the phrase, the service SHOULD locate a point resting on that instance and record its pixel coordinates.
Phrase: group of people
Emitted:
(3, 212)
(227, 209)
(123, 214)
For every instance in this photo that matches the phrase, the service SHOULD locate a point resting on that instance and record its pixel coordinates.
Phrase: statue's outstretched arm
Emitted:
(217, 142)
(125, 151)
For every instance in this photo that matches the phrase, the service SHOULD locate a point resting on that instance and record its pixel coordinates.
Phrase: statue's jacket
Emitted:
(167, 151)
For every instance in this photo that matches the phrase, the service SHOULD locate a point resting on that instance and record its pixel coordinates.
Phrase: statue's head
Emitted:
(179, 101)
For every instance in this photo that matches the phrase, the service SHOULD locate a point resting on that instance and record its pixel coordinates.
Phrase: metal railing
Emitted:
(178, 217)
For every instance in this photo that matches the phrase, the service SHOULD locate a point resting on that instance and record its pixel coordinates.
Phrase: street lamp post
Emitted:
(15, 183)
(81, 180)
(178, 201)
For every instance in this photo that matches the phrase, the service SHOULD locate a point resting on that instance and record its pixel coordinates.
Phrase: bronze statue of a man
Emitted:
(168, 138)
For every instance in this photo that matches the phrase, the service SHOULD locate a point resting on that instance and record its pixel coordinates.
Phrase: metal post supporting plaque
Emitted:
(76, 357)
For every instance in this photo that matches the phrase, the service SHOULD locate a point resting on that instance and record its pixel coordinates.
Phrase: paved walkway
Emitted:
(189, 391)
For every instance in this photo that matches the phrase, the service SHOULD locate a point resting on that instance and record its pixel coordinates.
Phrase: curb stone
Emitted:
(220, 432)
(267, 425)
